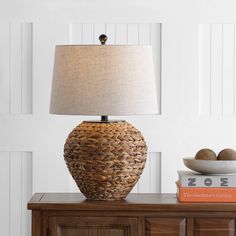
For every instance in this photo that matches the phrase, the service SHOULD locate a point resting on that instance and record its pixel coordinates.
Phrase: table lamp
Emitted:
(105, 157)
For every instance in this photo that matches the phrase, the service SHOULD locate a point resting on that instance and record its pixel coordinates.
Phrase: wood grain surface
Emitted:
(70, 214)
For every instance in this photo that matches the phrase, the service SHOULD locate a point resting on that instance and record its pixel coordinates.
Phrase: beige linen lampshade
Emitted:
(103, 80)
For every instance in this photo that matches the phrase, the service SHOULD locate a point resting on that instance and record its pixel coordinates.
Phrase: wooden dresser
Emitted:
(70, 214)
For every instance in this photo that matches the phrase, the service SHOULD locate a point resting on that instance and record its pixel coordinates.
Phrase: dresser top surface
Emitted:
(133, 202)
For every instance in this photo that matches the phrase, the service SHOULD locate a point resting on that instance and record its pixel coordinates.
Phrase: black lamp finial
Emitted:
(103, 38)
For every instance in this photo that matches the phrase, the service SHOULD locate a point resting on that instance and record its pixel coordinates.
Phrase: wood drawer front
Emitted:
(93, 226)
(92, 232)
(165, 227)
(214, 227)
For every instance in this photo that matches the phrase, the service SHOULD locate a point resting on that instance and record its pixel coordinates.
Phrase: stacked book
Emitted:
(196, 187)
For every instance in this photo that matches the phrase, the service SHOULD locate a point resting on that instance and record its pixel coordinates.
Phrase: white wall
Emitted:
(194, 51)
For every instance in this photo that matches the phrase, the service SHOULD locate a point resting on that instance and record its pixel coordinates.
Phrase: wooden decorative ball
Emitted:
(205, 154)
(105, 159)
(227, 154)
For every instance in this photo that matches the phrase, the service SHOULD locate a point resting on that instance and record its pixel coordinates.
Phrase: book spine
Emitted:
(204, 181)
(206, 194)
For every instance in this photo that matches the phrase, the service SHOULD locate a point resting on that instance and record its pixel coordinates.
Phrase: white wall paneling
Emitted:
(111, 31)
(4, 69)
(150, 180)
(121, 34)
(88, 33)
(98, 28)
(16, 68)
(16, 190)
(5, 190)
(27, 68)
(217, 69)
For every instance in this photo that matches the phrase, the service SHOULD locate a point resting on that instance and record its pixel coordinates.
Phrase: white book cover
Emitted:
(192, 179)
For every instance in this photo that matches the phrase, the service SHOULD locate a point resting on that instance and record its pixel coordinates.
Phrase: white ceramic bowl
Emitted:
(210, 167)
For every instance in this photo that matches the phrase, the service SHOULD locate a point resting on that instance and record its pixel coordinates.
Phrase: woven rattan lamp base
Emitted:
(105, 159)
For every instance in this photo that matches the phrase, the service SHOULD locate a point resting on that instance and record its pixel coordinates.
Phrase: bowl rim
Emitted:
(218, 161)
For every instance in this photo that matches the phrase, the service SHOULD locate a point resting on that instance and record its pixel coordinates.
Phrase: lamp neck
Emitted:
(104, 118)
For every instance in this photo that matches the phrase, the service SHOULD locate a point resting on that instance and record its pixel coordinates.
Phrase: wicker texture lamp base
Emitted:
(105, 159)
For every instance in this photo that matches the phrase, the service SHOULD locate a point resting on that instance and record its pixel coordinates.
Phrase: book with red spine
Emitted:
(186, 194)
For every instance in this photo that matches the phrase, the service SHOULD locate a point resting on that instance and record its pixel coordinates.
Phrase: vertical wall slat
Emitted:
(15, 68)
(111, 33)
(205, 69)
(133, 34)
(76, 33)
(216, 69)
(88, 33)
(150, 180)
(155, 40)
(145, 33)
(217, 86)
(27, 67)
(15, 194)
(228, 69)
(16, 190)
(98, 30)
(144, 181)
(121, 34)
(155, 172)
(5, 193)
(4, 69)
(26, 180)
